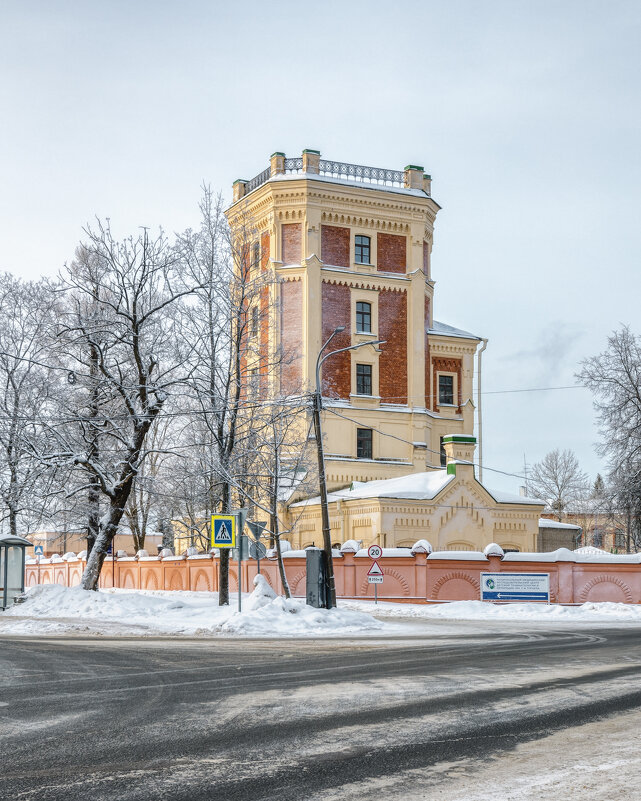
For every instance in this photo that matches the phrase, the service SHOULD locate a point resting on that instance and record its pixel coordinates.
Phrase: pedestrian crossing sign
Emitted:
(223, 531)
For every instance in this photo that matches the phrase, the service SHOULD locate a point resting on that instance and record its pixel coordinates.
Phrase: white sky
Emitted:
(527, 115)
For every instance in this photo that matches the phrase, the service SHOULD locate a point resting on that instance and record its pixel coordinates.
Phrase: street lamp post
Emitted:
(318, 432)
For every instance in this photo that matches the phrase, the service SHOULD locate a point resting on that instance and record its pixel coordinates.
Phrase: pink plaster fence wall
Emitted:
(418, 577)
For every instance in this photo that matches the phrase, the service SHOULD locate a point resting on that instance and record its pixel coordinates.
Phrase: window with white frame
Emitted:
(363, 379)
(445, 389)
(362, 246)
(364, 448)
(363, 317)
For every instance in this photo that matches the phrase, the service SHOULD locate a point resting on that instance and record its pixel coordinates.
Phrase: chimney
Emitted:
(459, 452)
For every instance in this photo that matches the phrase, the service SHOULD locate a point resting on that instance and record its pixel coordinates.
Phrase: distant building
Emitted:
(554, 535)
(62, 542)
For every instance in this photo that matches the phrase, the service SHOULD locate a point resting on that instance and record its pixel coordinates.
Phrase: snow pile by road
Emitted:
(479, 610)
(51, 609)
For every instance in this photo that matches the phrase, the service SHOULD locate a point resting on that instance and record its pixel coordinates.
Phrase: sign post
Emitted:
(375, 574)
(257, 550)
(224, 534)
(515, 587)
(38, 551)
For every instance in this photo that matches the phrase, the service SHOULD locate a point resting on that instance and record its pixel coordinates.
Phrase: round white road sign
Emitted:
(374, 551)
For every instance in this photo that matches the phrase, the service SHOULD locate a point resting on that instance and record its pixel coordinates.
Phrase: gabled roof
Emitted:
(414, 486)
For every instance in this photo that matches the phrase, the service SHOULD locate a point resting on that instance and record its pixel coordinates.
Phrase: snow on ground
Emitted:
(51, 609)
(519, 612)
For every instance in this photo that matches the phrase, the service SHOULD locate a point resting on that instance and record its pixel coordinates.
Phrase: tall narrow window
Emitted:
(254, 381)
(254, 327)
(362, 247)
(364, 443)
(363, 379)
(363, 318)
(446, 389)
(255, 254)
(443, 455)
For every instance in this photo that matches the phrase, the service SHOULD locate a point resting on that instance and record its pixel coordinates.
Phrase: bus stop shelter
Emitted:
(12, 557)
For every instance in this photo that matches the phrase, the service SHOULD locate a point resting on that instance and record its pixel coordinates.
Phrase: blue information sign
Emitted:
(515, 587)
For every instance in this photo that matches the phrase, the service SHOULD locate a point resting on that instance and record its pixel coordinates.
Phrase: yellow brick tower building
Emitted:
(350, 248)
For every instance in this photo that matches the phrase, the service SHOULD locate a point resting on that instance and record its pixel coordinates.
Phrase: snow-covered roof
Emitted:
(288, 482)
(328, 179)
(446, 330)
(590, 550)
(510, 497)
(544, 522)
(415, 486)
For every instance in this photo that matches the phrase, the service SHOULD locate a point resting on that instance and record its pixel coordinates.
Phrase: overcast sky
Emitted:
(527, 115)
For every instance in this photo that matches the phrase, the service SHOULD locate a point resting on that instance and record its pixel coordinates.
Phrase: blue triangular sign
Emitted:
(224, 534)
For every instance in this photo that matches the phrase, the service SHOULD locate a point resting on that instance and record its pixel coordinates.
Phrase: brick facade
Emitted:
(391, 254)
(264, 251)
(392, 327)
(335, 245)
(336, 311)
(446, 366)
(291, 243)
(291, 335)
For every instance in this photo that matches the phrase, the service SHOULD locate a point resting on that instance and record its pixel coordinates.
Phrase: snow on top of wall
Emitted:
(387, 552)
(564, 555)
(470, 556)
(560, 555)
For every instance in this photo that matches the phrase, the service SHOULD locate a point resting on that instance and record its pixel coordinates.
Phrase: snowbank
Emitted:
(478, 610)
(51, 609)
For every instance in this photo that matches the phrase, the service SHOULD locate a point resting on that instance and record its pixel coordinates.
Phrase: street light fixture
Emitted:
(317, 408)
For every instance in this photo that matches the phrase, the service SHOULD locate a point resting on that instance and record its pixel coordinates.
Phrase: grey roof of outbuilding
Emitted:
(8, 539)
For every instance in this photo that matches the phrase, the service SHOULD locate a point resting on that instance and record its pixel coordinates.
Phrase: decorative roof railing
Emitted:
(337, 169)
(358, 172)
(260, 179)
(294, 165)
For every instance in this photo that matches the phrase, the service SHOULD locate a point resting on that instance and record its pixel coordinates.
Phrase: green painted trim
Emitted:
(429, 177)
(241, 181)
(451, 469)
(316, 152)
(277, 153)
(413, 167)
(459, 438)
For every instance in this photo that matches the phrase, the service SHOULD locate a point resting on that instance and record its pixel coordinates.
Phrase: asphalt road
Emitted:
(184, 719)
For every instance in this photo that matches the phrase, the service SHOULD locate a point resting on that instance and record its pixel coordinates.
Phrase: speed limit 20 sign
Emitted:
(374, 551)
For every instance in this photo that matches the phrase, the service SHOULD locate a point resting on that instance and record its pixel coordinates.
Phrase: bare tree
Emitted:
(614, 378)
(230, 363)
(558, 479)
(27, 310)
(123, 312)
